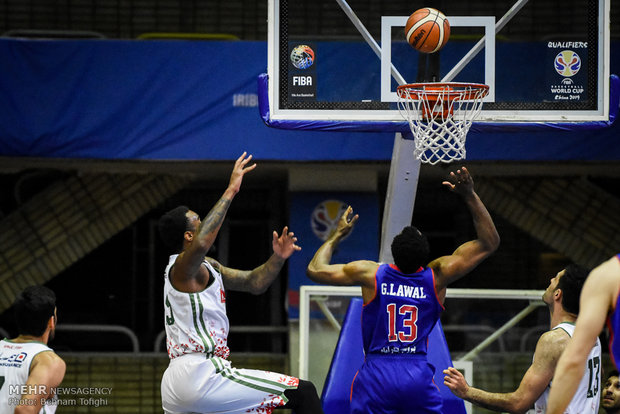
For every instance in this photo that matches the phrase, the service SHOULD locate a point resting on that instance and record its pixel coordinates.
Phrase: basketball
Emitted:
(427, 30)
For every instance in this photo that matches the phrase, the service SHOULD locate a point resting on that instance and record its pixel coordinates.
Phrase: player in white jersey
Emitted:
(199, 378)
(29, 370)
(587, 397)
(562, 299)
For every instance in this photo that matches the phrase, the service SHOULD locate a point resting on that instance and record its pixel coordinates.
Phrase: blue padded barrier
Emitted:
(349, 356)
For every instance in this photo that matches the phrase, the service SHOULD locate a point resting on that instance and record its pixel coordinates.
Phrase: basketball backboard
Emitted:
(339, 61)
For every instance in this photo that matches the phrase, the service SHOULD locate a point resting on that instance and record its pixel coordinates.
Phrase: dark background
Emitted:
(120, 283)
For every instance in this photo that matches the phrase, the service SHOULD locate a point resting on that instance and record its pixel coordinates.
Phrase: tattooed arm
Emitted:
(257, 281)
(187, 274)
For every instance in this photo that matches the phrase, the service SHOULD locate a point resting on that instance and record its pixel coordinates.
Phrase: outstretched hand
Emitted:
(455, 381)
(239, 170)
(346, 222)
(460, 182)
(284, 245)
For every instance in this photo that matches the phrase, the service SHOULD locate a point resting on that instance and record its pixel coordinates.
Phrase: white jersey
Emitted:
(587, 398)
(15, 361)
(199, 379)
(196, 322)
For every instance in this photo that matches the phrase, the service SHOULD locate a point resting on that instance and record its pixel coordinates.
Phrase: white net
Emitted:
(439, 116)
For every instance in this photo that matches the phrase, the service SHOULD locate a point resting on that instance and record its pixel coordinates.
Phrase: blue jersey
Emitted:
(396, 378)
(613, 323)
(402, 314)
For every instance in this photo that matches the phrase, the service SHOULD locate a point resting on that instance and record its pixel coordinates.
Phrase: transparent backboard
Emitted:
(337, 60)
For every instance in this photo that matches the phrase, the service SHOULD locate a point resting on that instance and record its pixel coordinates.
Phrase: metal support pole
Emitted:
(328, 314)
(512, 322)
(478, 47)
(304, 317)
(401, 193)
(304, 332)
(367, 37)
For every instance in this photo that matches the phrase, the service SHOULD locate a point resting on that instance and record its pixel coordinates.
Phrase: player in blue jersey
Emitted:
(598, 303)
(402, 303)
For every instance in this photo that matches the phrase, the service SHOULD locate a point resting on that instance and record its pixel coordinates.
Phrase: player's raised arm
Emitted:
(202, 234)
(470, 254)
(256, 281)
(320, 269)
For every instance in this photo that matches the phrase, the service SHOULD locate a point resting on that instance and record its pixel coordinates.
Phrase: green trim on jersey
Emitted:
(27, 342)
(240, 378)
(562, 328)
(208, 347)
(202, 322)
(567, 333)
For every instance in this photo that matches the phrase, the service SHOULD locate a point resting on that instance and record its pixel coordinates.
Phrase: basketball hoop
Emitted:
(439, 116)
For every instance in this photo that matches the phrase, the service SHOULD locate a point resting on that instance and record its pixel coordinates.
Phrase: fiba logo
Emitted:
(567, 63)
(325, 217)
(302, 57)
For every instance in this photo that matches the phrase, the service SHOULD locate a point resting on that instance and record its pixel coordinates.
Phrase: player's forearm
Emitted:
(213, 221)
(263, 276)
(321, 260)
(505, 402)
(483, 223)
(230, 193)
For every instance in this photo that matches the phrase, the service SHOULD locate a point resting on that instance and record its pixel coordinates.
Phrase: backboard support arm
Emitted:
(478, 47)
(401, 193)
(368, 37)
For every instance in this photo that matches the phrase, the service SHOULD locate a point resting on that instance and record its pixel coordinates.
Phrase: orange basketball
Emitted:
(427, 30)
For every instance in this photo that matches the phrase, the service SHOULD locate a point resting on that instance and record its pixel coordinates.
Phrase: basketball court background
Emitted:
(98, 137)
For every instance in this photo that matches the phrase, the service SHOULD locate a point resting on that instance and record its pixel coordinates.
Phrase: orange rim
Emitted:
(448, 90)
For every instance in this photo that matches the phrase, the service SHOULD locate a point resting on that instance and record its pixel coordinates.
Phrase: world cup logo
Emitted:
(302, 57)
(567, 63)
(325, 216)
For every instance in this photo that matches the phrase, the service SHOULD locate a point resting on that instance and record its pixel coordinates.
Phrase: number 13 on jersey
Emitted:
(407, 331)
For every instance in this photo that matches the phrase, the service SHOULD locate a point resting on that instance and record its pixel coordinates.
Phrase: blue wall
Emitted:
(184, 100)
